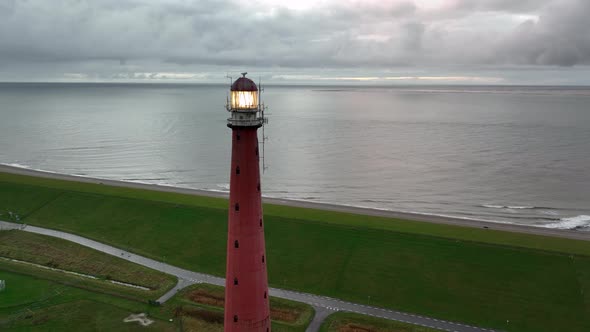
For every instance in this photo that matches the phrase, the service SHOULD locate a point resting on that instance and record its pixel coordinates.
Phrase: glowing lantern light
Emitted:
(244, 94)
(244, 99)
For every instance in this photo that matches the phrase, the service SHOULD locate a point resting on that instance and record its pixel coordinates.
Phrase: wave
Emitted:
(222, 187)
(515, 207)
(375, 201)
(17, 165)
(577, 222)
(158, 182)
(147, 182)
(452, 216)
(152, 180)
(433, 214)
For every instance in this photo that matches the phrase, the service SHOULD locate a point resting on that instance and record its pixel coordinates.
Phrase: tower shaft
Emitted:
(246, 285)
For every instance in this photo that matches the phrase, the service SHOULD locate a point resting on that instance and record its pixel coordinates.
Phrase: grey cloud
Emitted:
(145, 36)
(413, 35)
(191, 32)
(560, 37)
(6, 8)
(514, 6)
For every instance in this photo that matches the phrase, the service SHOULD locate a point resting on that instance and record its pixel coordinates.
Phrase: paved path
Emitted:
(182, 283)
(323, 305)
(320, 314)
(570, 234)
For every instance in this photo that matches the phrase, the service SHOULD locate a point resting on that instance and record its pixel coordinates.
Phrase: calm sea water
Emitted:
(505, 154)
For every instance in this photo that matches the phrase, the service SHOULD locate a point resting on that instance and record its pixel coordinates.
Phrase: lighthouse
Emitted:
(246, 284)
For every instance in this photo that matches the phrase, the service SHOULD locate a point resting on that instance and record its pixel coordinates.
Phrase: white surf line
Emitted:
(187, 277)
(88, 276)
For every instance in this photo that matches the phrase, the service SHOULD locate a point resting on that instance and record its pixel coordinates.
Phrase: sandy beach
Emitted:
(570, 234)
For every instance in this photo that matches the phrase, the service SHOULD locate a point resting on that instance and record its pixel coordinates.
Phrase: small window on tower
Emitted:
(265, 295)
(256, 150)
(262, 258)
(236, 244)
(236, 281)
(260, 222)
(258, 187)
(235, 318)
(237, 207)
(238, 170)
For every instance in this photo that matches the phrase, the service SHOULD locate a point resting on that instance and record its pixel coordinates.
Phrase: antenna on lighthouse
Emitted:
(227, 95)
(264, 121)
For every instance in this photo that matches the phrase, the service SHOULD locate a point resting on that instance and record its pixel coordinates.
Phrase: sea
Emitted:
(507, 154)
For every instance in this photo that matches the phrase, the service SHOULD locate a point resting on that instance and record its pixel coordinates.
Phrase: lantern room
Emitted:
(244, 104)
(244, 94)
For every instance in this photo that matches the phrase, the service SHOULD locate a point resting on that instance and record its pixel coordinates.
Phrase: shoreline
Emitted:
(416, 217)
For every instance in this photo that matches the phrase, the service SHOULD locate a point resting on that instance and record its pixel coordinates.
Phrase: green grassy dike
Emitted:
(475, 276)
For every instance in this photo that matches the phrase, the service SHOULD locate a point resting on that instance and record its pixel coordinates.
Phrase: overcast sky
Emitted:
(347, 41)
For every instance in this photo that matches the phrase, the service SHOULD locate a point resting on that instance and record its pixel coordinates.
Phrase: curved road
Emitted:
(322, 304)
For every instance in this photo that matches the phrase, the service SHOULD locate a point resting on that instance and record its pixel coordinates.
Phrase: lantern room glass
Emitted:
(244, 99)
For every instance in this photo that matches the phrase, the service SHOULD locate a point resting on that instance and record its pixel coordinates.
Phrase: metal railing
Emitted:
(246, 122)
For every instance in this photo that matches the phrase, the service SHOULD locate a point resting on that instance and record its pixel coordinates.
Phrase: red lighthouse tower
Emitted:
(246, 285)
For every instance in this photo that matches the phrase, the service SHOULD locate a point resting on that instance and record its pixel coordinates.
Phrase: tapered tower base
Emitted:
(246, 286)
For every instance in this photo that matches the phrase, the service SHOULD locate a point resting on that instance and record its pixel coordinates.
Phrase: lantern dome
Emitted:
(244, 84)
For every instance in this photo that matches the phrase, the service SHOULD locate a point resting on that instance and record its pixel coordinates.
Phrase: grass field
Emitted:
(350, 322)
(475, 276)
(69, 256)
(93, 285)
(35, 304)
(40, 300)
